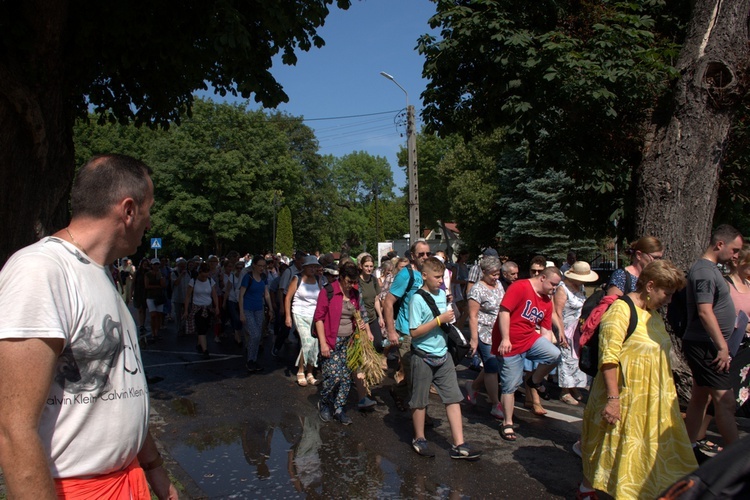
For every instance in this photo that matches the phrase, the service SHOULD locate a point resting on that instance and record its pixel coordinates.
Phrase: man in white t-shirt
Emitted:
(78, 421)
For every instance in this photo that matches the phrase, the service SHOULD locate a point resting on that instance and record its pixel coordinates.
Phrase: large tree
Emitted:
(685, 144)
(132, 60)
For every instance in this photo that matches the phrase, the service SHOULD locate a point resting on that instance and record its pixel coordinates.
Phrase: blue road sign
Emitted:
(156, 243)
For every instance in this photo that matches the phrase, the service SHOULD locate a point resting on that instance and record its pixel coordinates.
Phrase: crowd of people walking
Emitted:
(524, 335)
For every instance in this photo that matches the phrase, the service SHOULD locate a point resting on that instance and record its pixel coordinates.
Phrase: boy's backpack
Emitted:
(588, 357)
(677, 315)
(458, 345)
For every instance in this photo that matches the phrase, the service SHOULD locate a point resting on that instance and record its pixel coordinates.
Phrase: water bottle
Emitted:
(387, 342)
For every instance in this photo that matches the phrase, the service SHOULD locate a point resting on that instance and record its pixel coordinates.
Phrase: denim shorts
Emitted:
(489, 360)
(511, 367)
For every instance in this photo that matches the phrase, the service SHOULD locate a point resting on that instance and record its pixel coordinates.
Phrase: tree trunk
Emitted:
(678, 179)
(36, 145)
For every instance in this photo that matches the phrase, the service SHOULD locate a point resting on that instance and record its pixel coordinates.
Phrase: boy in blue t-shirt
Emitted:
(431, 363)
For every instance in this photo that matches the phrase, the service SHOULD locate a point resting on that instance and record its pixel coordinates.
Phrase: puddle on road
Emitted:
(291, 460)
(183, 406)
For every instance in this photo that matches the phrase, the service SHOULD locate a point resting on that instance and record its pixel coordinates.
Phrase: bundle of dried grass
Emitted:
(361, 356)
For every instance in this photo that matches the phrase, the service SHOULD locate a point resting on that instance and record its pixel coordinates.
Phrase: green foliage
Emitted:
(535, 215)
(572, 83)
(470, 172)
(141, 61)
(356, 177)
(218, 176)
(284, 235)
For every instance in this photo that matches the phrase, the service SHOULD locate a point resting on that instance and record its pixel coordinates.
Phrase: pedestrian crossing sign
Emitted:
(156, 243)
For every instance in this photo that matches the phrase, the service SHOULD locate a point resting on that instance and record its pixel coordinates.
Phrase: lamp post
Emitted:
(411, 167)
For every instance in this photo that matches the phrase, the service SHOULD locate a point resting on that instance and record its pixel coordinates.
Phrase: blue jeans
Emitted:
(253, 332)
(511, 367)
(489, 360)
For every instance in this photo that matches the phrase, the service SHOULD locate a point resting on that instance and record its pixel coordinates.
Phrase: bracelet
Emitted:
(437, 318)
(613, 397)
(155, 463)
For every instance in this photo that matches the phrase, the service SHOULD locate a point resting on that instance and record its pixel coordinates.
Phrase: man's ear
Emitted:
(127, 209)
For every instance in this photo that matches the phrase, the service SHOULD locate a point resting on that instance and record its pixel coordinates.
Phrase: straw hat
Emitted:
(581, 271)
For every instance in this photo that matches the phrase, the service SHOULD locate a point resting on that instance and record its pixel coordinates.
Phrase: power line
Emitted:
(290, 118)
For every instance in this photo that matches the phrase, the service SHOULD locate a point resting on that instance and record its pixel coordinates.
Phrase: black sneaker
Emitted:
(324, 412)
(206, 354)
(421, 447)
(343, 418)
(250, 366)
(465, 451)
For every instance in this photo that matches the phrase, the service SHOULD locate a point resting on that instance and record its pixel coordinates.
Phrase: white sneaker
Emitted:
(471, 394)
(577, 448)
(497, 412)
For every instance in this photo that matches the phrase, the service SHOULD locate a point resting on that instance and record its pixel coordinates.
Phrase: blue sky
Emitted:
(343, 78)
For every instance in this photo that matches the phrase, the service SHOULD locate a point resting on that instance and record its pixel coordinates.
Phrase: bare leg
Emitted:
(490, 383)
(454, 419)
(507, 400)
(696, 410)
(417, 419)
(724, 404)
(479, 381)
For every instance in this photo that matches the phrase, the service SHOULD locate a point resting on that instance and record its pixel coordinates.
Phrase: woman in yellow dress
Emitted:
(634, 442)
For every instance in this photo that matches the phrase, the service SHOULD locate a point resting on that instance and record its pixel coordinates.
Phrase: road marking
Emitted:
(553, 414)
(215, 357)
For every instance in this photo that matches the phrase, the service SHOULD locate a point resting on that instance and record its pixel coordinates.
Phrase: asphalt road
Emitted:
(231, 434)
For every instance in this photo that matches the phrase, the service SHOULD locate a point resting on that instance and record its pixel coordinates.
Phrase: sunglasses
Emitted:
(424, 254)
(535, 271)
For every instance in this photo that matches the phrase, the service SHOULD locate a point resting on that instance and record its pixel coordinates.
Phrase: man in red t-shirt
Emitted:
(526, 305)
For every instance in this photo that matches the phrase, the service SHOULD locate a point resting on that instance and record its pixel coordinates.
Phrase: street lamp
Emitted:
(411, 167)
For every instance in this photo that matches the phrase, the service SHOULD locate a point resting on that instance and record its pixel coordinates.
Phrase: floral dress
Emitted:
(570, 376)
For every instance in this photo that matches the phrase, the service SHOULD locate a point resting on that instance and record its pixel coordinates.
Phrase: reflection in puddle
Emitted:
(291, 459)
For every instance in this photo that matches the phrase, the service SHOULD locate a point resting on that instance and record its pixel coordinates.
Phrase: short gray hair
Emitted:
(509, 265)
(489, 263)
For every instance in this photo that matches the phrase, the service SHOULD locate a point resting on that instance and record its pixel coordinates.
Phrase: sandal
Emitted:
(569, 399)
(301, 380)
(540, 387)
(510, 435)
(709, 446)
(588, 495)
(311, 379)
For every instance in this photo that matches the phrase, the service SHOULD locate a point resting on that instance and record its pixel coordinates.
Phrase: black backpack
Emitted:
(588, 358)
(677, 315)
(458, 345)
(593, 300)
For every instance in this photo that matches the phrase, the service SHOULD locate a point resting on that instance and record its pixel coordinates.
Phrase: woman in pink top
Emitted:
(738, 279)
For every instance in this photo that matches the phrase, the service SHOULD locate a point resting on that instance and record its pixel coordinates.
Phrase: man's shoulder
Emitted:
(46, 255)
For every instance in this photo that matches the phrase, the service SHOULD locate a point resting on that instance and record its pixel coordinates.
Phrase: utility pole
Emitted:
(412, 175)
(411, 168)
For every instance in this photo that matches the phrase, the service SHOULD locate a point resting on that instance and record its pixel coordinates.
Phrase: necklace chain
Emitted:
(73, 240)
